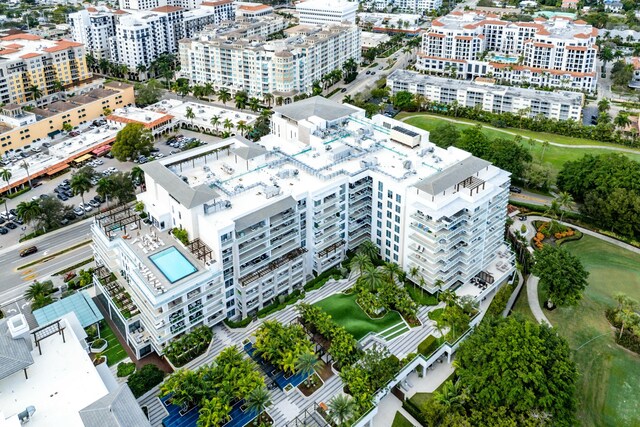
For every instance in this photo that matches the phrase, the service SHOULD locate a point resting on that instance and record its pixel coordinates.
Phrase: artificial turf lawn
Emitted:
(345, 312)
(608, 388)
(114, 351)
(401, 421)
(556, 156)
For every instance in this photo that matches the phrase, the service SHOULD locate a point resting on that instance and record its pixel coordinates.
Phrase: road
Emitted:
(15, 281)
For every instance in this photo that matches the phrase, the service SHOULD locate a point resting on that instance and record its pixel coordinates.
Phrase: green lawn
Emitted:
(522, 306)
(114, 351)
(609, 382)
(401, 421)
(556, 156)
(345, 312)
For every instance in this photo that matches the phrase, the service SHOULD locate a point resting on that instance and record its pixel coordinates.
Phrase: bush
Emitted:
(189, 346)
(499, 302)
(145, 379)
(126, 368)
(17, 193)
(272, 308)
(322, 278)
(182, 235)
(239, 324)
(420, 296)
(428, 346)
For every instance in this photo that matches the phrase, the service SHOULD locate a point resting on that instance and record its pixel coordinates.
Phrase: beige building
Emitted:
(19, 127)
(27, 60)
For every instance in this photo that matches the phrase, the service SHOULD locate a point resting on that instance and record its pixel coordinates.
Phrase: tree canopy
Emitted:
(147, 94)
(517, 368)
(561, 273)
(133, 140)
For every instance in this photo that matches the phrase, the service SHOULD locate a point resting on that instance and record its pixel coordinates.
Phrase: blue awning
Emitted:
(79, 303)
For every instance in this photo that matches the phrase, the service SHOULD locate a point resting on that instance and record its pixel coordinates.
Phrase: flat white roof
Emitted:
(61, 382)
(203, 112)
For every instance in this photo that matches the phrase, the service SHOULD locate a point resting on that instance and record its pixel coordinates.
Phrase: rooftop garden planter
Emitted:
(99, 345)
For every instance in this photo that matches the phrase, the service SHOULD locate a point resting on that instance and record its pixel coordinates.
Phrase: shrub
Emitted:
(126, 368)
(189, 346)
(436, 314)
(428, 346)
(499, 302)
(272, 308)
(145, 379)
(321, 279)
(239, 324)
(182, 235)
(420, 296)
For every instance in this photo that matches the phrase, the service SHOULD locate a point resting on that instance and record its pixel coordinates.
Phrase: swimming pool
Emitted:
(509, 59)
(173, 264)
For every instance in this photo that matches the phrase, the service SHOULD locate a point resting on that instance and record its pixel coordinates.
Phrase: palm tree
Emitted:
(258, 400)
(369, 248)
(80, 184)
(628, 319)
(207, 90)
(372, 278)
(306, 365)
(213, 413)
(392, 270)
(29, 210)
(57, 86)
(137, 175)
(104, 188)
(190, 115)
(450, 395)
(241, 126)
(37, 289)
(254, 104)
(141, 69)
(24, 165)
(341, 409)
(35, 92)
(6, 175)
(268, 98)
(279, 100)
(554, 209)
(241, 100)
(224, 96)
(622, 120)
(545, 144)
(228, 124)
(360, 262)
(348, 99)
(565, 200)
(215, 121)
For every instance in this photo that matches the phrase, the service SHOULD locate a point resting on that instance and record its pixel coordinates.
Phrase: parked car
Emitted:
(3, 230)
(63, 197)
(94, 203)
(78, 211)
(11, 225)
(98, 162)
(2, 220)
(343, 90)
(98, 199)
(28, 251)
(515, 189)
(18, 221)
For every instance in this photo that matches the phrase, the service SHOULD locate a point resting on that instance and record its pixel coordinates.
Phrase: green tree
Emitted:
(254, 104)
(131, 141)
(565, 201)
(51, 213)
(215, 122)
(147, 94)
(67, 127)
(341, 409)
(80, 184)
(371, 278)
(445, 135)
(241, 99)
(306, 364)
(370, 249)
(224, 96)
(6, 175)
(360, 262)
(38, 289)
(145, 379)
(137, 175)
(29, 211)
(123, 189)
(403, 100)
(104, 188)
(628, 319)
(35, 92)
(518, 365)
(258, 400)
(603, 105)
(561, 274)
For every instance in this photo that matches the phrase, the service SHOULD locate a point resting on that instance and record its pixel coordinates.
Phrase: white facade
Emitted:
(152, 4)
(558, 52)
(138, 37)
(262, 217)
(318, 12)
(417, 6)
(484, 93)
(283, 67)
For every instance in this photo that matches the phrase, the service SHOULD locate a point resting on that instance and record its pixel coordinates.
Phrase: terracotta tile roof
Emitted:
(436, 23)
(437, 35)
(254, 8)
(92, 9)
(216, 3)
(463, 38)
(62, 45)
(462, 61)
(580, 48)
(167, 9)
(14, 46)
(541, 70)
(547, 45)
(120, 12)
(163, 119)
(21, 36)
(30, 55)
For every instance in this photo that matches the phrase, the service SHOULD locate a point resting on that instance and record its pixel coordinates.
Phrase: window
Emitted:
(395, 248)
(379, 214)
(388, 234)
(389, 205)
(389, 215)
(380, 186)
(396, 239)
(396, 228)
(389, 194)
(398, 198)
(379, 233)
(398, 208)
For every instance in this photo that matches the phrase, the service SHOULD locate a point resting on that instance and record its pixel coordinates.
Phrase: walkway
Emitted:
(534, 302)
(555, 144)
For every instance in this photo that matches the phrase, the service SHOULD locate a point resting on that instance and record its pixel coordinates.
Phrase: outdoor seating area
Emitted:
(119, 295)
(276, 375)
(482, 280)
(148, 242)
(503, 265)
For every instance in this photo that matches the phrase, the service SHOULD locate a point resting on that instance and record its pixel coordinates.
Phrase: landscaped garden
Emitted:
(553, 233)
(189, 346)
(114, 351)
(608, 389)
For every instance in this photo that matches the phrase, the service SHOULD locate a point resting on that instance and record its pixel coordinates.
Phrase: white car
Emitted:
(112, 170)
(98, 162)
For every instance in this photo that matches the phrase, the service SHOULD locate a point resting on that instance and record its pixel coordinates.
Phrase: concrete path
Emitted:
(514, 295)
(555, 144)
(534, 303)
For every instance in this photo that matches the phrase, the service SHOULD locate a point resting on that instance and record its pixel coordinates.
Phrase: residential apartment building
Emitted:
(483, 93)
(635, 77)
(28, 61)
(557, 53)
(152, 4)
(319, 12)
(262, 217)
(138, 37)
(283, 68)
(417, 6)
(19, 127)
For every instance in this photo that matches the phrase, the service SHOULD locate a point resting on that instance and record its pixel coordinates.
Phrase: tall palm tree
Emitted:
(450, 395)
(279, 100)
(37, 289)
(208, 90)
(360, 262)
(36, 92)
(369, 248)
(213, 413)
(6, 175)
(228, 124)
(392, 270)
(104, 188)
(57, 86)
(29, 210)
(215, 121)
(628, 319)
(80, 184)
(341, 409)
(565, 200)
(224, 96)
(137, 175)
(254, 104)
(190, 115)
(268, 98)
(372, 278)
(242, 127)
(545, 144)
(24, 165)
(258, 400)
(306, 365)
(622, 120)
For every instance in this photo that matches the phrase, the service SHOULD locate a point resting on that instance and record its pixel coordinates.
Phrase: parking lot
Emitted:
(55, 186)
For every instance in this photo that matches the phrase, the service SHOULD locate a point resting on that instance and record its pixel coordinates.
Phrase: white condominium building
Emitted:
(320, 12)
(417, 6)
(261, 217)
(134, 37)
(558, 52)
(283, 68)
(152, 4)
(486, 95)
